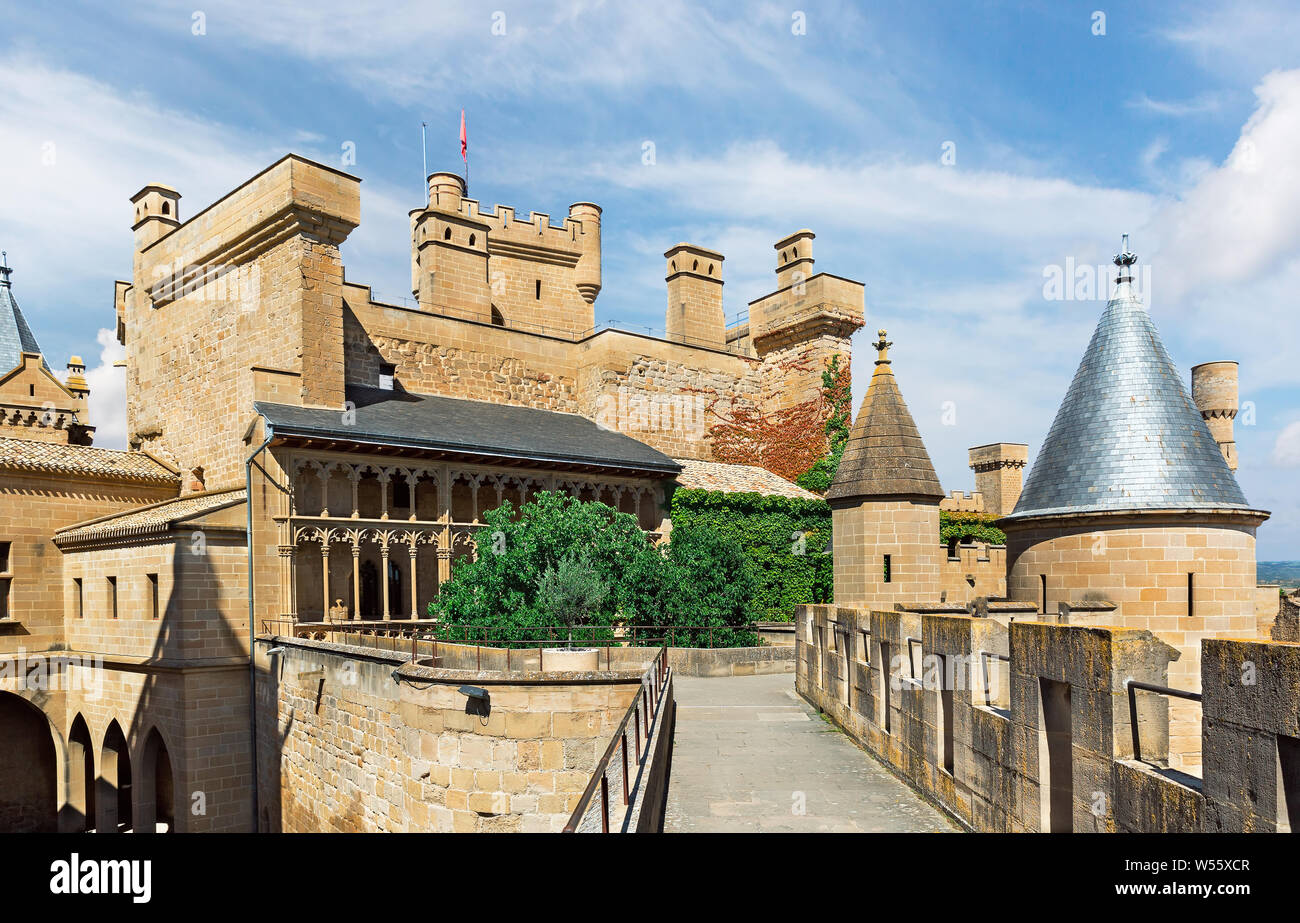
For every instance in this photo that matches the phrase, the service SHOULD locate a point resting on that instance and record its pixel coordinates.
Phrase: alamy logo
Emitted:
(103, 876)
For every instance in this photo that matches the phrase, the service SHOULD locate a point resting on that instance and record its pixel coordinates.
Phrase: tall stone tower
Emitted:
(1132, 501)
(885, 503)
(999, 469)
(1214, 389)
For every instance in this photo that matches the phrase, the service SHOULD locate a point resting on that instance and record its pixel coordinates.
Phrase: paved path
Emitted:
(748, 749)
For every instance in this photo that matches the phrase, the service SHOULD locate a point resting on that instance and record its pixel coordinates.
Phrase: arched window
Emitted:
(29, 795)
(81, 776)
(157, 790)
(167, 209)
(471, 240)
(446, 235)
(113, 797)
(498, 319)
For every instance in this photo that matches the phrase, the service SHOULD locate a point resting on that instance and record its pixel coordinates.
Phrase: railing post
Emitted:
(1133, 721)
(624, 736)
(604, 803)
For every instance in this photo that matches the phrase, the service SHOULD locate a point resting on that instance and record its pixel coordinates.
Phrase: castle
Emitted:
(301, 454)
(1131, 515)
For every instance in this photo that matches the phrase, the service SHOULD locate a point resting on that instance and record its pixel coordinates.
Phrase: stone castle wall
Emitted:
(1142, 566)
(342, 748)
(1050, 745)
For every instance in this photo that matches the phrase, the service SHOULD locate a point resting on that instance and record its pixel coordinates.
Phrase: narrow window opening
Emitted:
(4, 556)
(112, 596)
(1043, 595)
(1288, 784)
(537, 292)
(446, 234)
(888, 569)
(883, 697)
(945, 714)
(79, 598)
(1055, 772)
(153, 595)
(1191, 597)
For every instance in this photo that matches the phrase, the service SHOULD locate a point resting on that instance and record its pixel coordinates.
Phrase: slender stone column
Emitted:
(325, 576)
(356, 577)
(383, 552)
(288, 594)
(414, 596)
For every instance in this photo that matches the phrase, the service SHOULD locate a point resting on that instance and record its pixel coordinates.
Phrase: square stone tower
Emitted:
(999, 470)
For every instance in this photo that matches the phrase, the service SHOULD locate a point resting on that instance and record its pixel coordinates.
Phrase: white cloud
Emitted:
(1286, 450)
(1178, 108)
(108, 393)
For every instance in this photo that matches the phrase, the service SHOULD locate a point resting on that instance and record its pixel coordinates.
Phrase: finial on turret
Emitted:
(1125, 259)
(882, 348)
(4, 268)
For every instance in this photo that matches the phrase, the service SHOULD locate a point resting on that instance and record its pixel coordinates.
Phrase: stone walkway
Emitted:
(749, 753)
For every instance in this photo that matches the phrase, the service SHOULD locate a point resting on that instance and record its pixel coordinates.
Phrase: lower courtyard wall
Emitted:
(1046, 742)
(354, 739)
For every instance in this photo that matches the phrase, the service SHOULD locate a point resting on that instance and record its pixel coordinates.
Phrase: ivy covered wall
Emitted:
(784, 537)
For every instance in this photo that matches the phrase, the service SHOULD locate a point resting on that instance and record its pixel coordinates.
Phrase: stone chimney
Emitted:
(694, 277)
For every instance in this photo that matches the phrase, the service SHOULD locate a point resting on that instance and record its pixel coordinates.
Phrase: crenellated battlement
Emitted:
(1017, 725)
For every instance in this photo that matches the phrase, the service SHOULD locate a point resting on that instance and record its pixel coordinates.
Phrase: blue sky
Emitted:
(1179, 124)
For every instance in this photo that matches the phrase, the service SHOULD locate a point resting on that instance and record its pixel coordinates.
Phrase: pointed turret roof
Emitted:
(1127, 436)
(16, 337)
(884, 455)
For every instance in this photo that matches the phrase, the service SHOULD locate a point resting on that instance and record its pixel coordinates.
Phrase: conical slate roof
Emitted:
(1127, 436)
(884, 455)
(16, 337)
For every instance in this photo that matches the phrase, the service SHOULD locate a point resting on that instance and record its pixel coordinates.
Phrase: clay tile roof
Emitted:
(146, 520)
(884, 455)
(50, 457)
(735, 479)
(1127, 435)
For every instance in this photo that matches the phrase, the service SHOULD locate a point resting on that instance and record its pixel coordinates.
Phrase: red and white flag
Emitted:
(464, 139)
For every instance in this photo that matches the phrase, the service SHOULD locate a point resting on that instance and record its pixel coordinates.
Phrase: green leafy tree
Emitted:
(700, 589)
(500, 589)
(571, 591)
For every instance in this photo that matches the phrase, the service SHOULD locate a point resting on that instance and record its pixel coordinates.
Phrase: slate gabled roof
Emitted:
(465, 427)
(885, 455)
(16, 336)
(1127, 436)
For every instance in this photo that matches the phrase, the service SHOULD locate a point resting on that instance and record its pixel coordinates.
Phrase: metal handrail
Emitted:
(591, 635)
(659, 680)
(1133, 685)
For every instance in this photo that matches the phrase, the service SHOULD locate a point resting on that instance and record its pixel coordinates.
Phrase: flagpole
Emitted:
(424, 153)
(464, 150)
